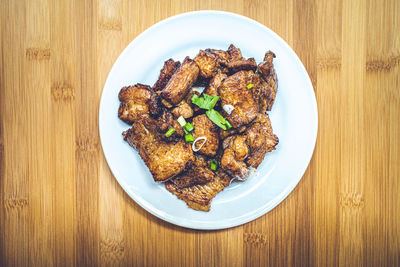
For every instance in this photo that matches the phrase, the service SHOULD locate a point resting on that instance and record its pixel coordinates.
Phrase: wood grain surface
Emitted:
(61, 206)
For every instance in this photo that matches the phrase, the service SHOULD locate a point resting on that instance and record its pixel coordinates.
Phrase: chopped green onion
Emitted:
(217, 118)
(213, 165)
(205, 102)
(250, 85)
(188, 127)
(181, 121)
(228, 124)
(189, 138)
(169, 132)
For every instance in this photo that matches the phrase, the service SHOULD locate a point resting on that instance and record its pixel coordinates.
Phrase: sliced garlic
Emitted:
(228, 109)
(198, 139)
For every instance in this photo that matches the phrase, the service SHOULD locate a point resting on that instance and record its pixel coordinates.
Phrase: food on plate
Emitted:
(133, 102)
(199, 172)
(215, 82)
(236, 92)
(198, 141)
(180, 82)
(199, 196)
(204, 127)
(164, 159)
(169, 68)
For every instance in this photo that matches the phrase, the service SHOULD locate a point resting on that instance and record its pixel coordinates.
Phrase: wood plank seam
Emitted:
(112, 250)
(352, 200)
(255, 239)
(62, 91)
(383, 65)
(329, 63)
(87, 144)
(15, 203)
(38, 53)
(110, 25)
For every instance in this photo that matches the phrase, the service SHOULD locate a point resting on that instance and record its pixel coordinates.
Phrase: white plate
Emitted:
(294, 117)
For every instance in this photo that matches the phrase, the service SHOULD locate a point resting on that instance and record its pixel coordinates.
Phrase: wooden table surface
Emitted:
(60, 205)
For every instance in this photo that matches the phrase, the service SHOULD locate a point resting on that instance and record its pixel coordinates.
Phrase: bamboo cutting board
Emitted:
(60, 205)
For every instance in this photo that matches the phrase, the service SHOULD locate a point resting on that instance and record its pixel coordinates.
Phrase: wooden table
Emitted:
(60, 205)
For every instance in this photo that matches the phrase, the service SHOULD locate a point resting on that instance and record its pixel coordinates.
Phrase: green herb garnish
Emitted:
(188, 127)
(217, 118)
(169, 132)
(189, 138)
(213, 165)
(228, 124)
(205, 102)
(250, 85)
(181, 121)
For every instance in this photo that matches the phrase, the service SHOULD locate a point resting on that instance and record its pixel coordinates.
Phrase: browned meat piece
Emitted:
(264, 94)
(242, 64)
(184, 180)
(199, 197)
(234, 91)
(207, 63)
(180, 82)
(224, 134)
(234, 53)
(232, 58)
(133, 104)
(204, 127)
(169, 68)
(269, 82)
(198, 173)
(248, 148)
(223, 57)
(164, 160)
(225, 178)
(188, 99)
(260, 139)
(240, 147)
(167, 121)
(266, 68)
(154, 104)
(234, 167)
(166, 103)
(235, 151)
(183, 109)
(215, 82)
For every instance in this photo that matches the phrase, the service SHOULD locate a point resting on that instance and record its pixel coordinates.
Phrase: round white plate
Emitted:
(294, 117)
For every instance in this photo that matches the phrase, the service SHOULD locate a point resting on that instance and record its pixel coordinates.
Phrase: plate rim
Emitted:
(224, 224)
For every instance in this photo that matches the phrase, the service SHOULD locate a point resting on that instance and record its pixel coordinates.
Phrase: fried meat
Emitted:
(180, 82)
(233, 91)
(248, 149)
(207, 63)
(199, 197)
(242, 64)
(165, 160)
(169, 68)
(198, 173)
(260, 139)
(215, 82)
(269, 81)
(246, 91)
(133, 104)
(183, 109)
(204, 127)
